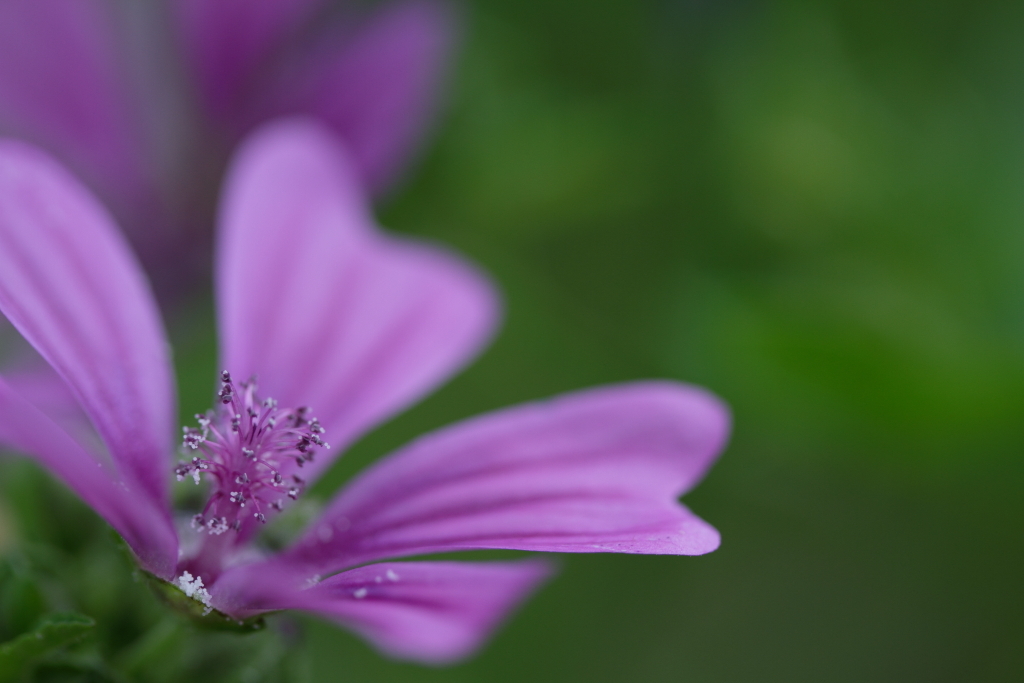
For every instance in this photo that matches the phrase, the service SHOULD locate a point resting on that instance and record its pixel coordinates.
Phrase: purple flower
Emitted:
(327, 312)
(145, 100)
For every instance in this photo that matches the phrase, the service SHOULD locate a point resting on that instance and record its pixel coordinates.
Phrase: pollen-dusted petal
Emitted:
(227, 41)
(324, 309)
(430, 612)
(72, 288)
(65, 84)
(143, 524)
(375, 83)
(595, 471)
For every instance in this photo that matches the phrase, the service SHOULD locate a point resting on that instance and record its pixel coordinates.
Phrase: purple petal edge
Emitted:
(146, 527)
(596, 471)
(324, 308)
(72, 288)
(429, 612)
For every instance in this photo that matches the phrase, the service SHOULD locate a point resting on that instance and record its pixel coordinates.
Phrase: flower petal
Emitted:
(431, 612)
(226, 41)
(73, 290)
(324, 309)
(34, 380)
(64, 85)
(376, 84)
(143, 524)
(595, 471)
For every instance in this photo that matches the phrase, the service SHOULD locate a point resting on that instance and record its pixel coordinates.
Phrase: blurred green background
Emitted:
(815, 209)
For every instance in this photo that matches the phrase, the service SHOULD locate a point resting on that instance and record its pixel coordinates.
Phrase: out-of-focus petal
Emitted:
(226, 41)
(64, 85)
(324, 309)
(34, 380)
(431, 612)
(143, 524)
(72, 288)
(375, 83)
(596, 471)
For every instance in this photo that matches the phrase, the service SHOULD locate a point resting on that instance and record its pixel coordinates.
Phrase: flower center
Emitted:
(250, 450)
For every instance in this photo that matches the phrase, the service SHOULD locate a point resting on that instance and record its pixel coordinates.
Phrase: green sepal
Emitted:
(200, 615)
(54, 631)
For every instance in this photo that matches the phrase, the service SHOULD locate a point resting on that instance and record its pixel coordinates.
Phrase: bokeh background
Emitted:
(815, 209)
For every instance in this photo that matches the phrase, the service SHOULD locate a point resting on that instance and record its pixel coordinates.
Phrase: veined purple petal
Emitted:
(143, 524)
(596, 471)
(64, 85)
(431, 612)
(226, 41)
(324, 309)
(73, 290)
(376, 84)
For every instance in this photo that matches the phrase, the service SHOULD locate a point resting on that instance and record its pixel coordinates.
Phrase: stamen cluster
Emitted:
(250, 450)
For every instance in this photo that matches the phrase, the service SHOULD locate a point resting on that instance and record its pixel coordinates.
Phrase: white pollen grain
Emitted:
(193, 588)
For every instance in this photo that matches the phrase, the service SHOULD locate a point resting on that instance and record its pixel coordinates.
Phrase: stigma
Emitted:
(251, 451)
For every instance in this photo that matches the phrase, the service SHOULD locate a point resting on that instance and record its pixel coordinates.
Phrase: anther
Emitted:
(248, 448)
(217, 526)
(193, 438)
(182, 471)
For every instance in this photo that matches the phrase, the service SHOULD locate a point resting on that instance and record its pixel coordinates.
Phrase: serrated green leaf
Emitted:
(55, 630)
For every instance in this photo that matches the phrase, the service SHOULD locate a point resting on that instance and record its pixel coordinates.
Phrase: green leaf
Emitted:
(54, 631)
